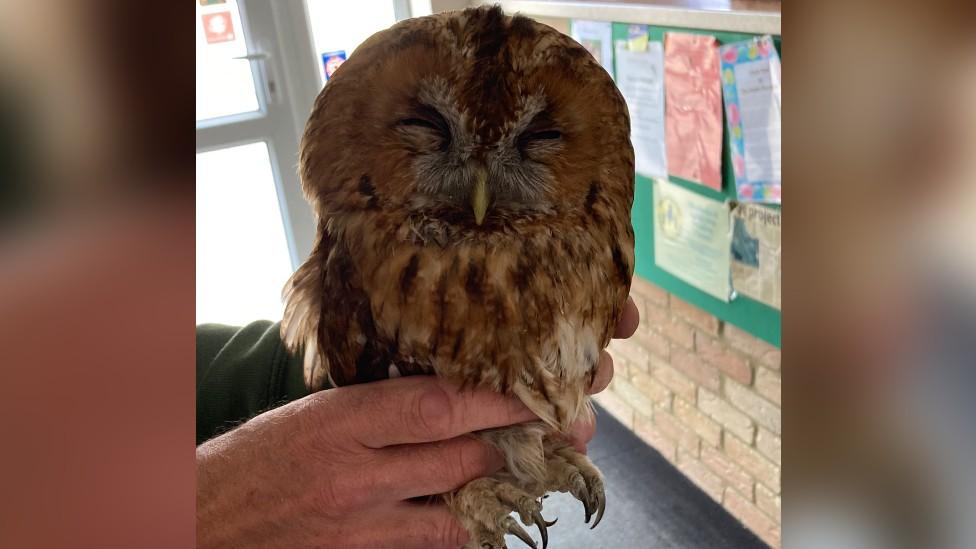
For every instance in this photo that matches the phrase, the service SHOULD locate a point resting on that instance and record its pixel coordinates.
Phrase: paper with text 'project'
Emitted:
(756, 252)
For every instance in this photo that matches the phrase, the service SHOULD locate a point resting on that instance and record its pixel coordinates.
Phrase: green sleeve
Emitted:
(242, 372)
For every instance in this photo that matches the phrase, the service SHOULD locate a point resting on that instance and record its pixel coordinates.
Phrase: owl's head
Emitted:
(473, 119)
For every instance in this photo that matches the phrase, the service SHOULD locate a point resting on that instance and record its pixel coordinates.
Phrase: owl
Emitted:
(473, 176)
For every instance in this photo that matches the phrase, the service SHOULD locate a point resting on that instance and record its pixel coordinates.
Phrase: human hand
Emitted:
(625, 328)
(339, 467)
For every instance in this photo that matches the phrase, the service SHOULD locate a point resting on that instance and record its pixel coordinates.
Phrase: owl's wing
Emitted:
(328, 315)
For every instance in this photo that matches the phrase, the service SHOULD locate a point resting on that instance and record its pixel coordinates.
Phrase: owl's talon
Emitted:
(601, 507)
(599, 502)
(485, 505)
(543, 525)
(513, 528)
(580, 492)
(591, 506)
(573, 472)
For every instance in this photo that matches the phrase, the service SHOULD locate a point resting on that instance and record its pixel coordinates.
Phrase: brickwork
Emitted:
(707, 396)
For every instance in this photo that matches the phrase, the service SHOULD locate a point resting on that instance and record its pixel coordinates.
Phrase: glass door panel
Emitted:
(242, 253)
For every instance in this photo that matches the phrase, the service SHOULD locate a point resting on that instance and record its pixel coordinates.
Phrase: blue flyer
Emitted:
(331, 61)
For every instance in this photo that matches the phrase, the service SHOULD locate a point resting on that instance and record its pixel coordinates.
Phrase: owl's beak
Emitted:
(479, 195)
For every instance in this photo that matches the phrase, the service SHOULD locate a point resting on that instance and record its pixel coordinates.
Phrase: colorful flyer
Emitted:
(331, 61)
(756, 252)
(597, 38)
(693, 108)
(692, 238)
(640, 78)
(751, 84)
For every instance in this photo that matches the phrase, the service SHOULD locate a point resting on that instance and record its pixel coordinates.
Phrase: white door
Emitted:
(258, 71)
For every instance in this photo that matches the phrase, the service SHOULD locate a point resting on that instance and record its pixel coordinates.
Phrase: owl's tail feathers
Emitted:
(560, 405)
(302, 296)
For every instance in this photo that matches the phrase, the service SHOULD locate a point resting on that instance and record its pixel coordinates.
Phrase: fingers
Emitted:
(604, 373)
(427, 526)
(407, 526)
(581, 434)
(628, 320)
(423, 409)
(414, 470)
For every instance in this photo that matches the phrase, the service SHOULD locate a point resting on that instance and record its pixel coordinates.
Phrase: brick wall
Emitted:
(706, 395)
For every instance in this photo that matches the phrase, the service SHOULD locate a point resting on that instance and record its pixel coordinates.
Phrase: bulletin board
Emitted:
(752, 316)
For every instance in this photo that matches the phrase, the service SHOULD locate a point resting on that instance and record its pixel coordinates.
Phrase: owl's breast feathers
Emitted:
(524, 310)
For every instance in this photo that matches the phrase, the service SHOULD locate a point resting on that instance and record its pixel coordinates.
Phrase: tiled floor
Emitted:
(650, 504)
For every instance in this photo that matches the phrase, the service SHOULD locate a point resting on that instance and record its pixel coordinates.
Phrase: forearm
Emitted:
(242, 372)
(243, 497)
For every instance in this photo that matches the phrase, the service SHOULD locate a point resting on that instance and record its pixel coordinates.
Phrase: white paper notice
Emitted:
(640, 77)
(759, 107)
(597, 38)
(692, 238)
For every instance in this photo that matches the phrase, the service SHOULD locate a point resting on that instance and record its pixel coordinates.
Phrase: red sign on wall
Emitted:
(218, 27)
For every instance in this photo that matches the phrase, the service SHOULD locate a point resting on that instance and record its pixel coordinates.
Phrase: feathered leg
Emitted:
(484, 507)
(537, 462)
(570, 471)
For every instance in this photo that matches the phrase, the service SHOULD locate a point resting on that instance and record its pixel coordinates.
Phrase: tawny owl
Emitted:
(473, 177)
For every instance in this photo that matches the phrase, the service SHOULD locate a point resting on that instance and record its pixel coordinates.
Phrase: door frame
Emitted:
(279, 48)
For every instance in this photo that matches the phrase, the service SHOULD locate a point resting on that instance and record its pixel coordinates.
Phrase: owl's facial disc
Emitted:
(470, 166)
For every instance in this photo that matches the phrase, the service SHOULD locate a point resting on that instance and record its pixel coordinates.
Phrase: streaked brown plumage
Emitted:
(422, 122)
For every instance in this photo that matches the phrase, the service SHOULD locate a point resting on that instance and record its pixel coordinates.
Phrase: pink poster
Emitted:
(693, 108)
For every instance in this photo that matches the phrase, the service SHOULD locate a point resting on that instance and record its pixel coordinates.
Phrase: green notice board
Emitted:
(752, 316)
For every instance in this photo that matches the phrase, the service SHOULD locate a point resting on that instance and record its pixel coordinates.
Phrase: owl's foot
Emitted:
(484, 506)
(570, 471)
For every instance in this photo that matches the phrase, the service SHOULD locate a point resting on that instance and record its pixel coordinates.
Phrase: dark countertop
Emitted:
(650, 504)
